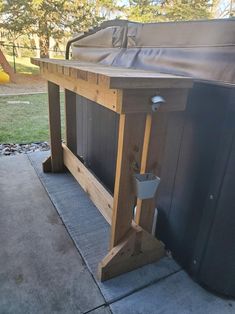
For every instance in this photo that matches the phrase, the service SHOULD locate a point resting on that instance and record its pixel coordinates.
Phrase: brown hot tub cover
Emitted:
(204, 50)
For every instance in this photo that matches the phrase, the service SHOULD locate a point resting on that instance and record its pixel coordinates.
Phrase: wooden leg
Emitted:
(46, 165)
(136, 249)
(154, 124)
(131, 246)
(70, 121)
(56, 158)
(130, 141)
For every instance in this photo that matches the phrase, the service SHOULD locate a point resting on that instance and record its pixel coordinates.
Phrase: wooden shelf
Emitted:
(118, 89)
(113, 77)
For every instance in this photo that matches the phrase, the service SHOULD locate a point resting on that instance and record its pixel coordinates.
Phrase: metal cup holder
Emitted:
(146, 185)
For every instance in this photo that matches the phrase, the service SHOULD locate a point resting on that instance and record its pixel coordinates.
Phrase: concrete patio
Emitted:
(49, 267)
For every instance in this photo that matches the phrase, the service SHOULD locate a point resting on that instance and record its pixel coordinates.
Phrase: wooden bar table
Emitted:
(129, 93)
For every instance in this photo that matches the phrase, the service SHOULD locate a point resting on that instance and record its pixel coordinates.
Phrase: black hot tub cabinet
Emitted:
(196, 163)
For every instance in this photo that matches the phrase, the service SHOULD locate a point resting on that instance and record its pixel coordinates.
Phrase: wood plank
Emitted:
(124, 257)
(102, 199)
(149, 81)
(108, 98)
(134, 100)
(55, 127)
(145, 208)
(46, 165)
(112, 77)
(70, 121)
(130, 141)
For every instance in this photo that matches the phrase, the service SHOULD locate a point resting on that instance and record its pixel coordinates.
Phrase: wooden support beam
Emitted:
(70, 121)
(46, 165)
(109, 98)
(145, 208)
(116, 88)
(96, 191)
(137, 100)
(115, 77)
(55, 127)
(154, 124)
(130, 141)
(136, 249)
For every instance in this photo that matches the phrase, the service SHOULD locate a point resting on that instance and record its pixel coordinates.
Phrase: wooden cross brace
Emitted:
(138, 248)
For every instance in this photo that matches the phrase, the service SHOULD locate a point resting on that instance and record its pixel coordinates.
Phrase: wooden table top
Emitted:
(112, 77)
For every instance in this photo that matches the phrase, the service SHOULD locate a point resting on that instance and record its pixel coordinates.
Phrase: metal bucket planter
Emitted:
(146, 185)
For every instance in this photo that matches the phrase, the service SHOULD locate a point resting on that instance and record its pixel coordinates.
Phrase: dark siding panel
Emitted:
(216, 263)
(97, 139)
(193, 174)
(173, 139)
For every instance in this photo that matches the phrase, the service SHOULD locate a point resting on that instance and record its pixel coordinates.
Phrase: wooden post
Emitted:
(145, 208)
(132, 244)
(55, 128)
(70, 121)
(130, 141)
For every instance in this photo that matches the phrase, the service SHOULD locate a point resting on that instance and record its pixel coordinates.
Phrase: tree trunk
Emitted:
(34, 39)
(44, 46)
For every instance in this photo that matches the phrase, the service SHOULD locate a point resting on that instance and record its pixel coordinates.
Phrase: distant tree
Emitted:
(168, 10)
(13, 17)
(62, 18)
(51, 18)
(144, 10)
(176, 10)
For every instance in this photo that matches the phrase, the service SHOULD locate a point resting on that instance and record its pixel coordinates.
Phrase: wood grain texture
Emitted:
(108, 98)
(145, 208)
(136, 100)
(46, 165)
(116, 77)
(90, 184)
(136, 249)
(119, 89)
(130, 142)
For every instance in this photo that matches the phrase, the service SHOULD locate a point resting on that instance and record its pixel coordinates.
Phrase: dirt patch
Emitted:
(24, 84)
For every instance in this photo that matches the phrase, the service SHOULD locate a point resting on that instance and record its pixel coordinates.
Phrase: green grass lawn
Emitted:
(25, 122)
(23, 65)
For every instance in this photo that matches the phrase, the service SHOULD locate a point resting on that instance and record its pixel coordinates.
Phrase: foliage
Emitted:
(14, 15)
(51, 18)
(144, 10)
(61, 18)
(23, 65)
(187, 10)
(168, 10)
